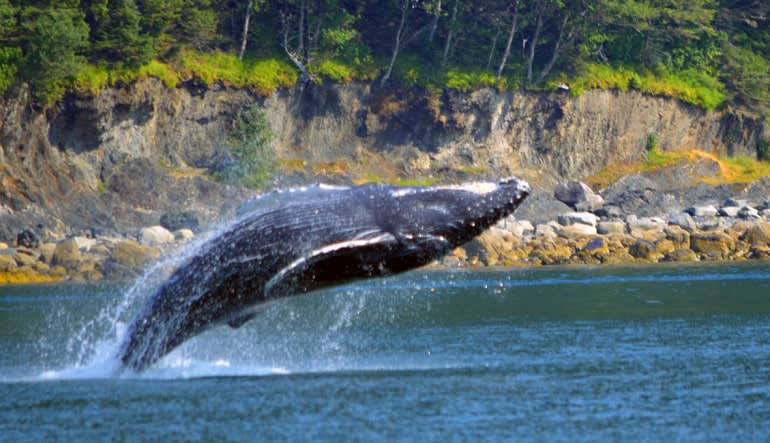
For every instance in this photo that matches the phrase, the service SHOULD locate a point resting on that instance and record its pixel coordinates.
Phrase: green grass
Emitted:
(264, 75)
(691, 86)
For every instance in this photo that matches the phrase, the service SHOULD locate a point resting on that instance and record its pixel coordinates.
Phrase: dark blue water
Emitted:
(571, 354)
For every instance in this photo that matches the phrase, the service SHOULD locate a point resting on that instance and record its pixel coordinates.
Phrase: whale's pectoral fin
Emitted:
(333, 263)
(240, 321)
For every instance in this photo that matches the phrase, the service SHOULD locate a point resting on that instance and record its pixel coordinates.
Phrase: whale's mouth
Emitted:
(521, 185)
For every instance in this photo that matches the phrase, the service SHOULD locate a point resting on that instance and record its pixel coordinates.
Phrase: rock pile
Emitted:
(601, 230)
(83, 258)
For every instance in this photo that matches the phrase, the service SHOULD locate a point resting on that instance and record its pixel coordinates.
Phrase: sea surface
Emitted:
(658, 353)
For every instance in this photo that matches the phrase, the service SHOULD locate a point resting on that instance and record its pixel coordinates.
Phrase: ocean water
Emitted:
(660, 353)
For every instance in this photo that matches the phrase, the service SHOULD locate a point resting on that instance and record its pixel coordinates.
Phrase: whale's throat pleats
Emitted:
(378, 253)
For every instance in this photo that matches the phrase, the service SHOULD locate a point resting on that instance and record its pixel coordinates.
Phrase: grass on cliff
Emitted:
(737, 169)
(691, 86)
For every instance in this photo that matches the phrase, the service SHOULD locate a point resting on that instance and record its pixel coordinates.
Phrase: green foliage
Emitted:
(116, 32)
(469, 80)
(652, 142)
(334, 70)
(252, 160)
(264, 75)
(91, 78)
(763, 149)
(697, 88)
(51, 40)
(705, 52)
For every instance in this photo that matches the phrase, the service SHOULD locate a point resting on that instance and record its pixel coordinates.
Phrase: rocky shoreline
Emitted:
(630, 222)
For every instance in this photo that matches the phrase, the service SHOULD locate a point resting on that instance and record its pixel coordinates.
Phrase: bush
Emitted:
(252, 163)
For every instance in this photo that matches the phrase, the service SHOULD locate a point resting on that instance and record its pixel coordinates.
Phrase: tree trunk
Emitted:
(507, 51)
(452, 24)
(301, 30)
(244, 36)
(533, 43)
(492, 50)
(434, 25)
(397, 46)
(544, 72)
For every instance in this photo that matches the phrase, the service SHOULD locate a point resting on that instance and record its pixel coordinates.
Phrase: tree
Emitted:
(507, 52)
(250, 7)
(116, 32)
(52, 39)
(10, 54)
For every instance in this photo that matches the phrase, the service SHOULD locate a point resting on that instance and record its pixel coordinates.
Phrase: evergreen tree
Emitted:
(10, 54)
(53, 35)
(116, 33)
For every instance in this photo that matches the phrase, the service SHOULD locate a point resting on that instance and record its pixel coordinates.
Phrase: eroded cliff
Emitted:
(119, 160)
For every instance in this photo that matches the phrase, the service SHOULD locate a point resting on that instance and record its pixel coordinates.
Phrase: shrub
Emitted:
(252, 163)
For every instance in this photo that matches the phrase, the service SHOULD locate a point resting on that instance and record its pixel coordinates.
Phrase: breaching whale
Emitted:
(300, 240)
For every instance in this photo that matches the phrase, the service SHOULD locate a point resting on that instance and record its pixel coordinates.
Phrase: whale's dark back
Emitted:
(298, 241)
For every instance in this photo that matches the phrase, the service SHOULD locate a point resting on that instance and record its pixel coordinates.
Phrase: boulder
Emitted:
(611, 227)
(183, 235)
(573, 218)
(712, 245)
(550, 253)
(707, 223)
(757, 235)
(67, 254)
(702, 211)
(681, 255)
(46, 252)
(729, 211)
(133, 255)
(25, 257)
(540, 207)
(645, 223)
(597, 247)
(3, 245)
(174, 221)
(609, 212)
(545, 230)
(748, 213)
(731, 202)
(678, 236)
(7, 263)
(84, 243)
(27, 239)
(577, 230)
(644, 250)
(155, 235)
(578, 196)
(682, 220)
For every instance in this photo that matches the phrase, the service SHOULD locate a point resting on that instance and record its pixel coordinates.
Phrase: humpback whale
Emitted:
(300, 240)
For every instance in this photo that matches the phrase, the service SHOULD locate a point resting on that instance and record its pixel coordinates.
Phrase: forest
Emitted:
(711, 53)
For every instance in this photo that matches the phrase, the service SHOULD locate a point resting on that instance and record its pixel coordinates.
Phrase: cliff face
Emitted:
(117, 161)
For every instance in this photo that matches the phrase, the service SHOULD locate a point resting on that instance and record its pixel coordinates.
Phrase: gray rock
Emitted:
(541, 207)
(707, 223)
(748, 213)
(733, 203)
(183, 235)
(545, 230)
(702, 211)
(155, 235)
(174, 221)
(578, 195)
(645, 223)
(609, 212)
(729, 211)
(28, 239)
(683, 220)
(611, 227)
(577, 230)
(572, 218)
(635, 194)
